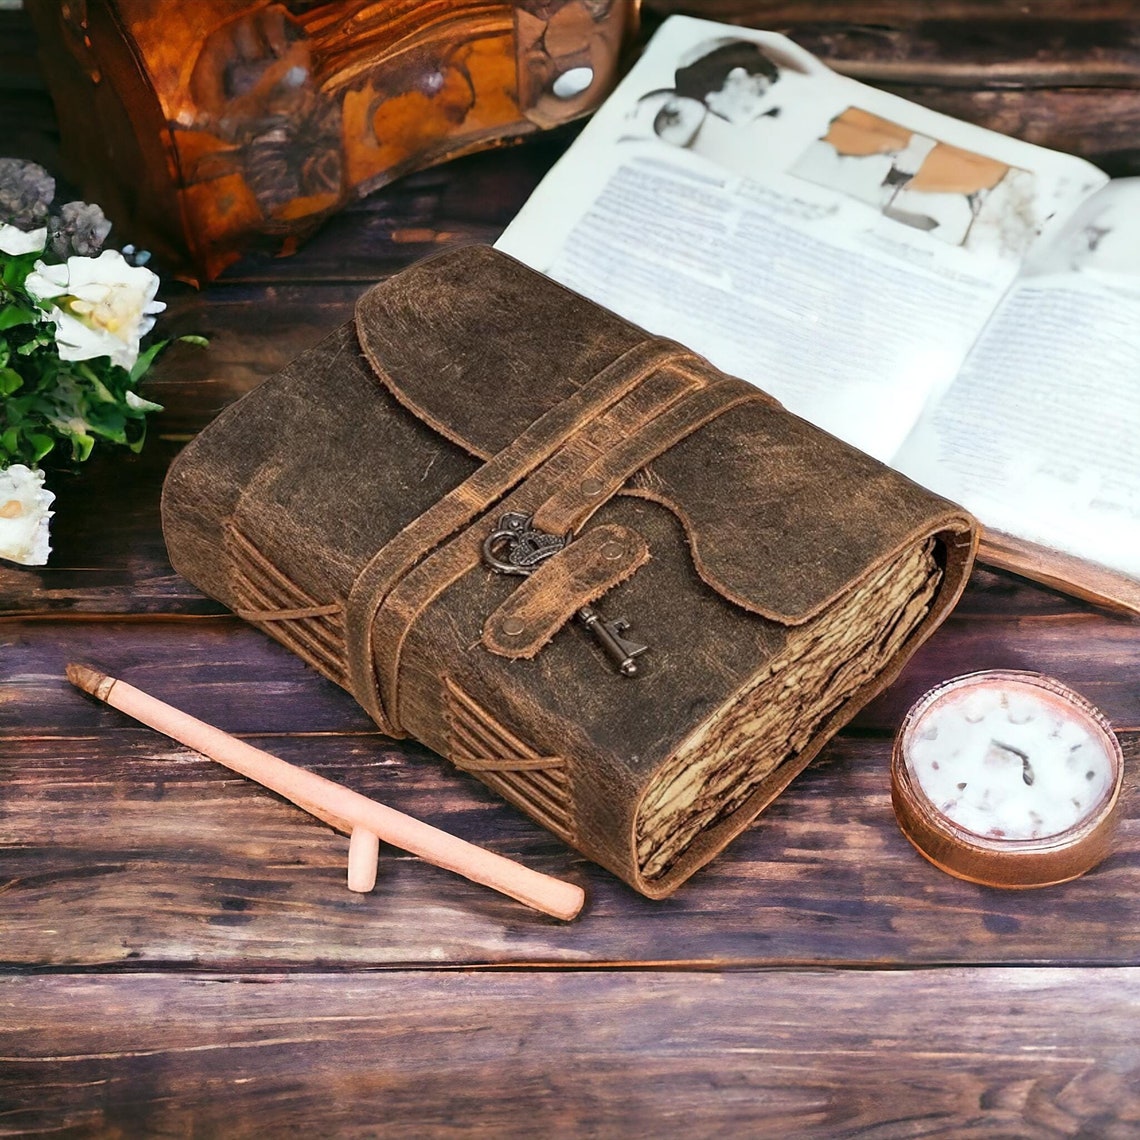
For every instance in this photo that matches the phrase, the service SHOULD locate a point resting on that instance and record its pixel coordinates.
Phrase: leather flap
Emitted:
(782, 518)
(479, 346)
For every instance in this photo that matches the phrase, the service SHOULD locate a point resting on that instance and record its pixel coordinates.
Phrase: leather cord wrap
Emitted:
(294, 614)
(503, 471)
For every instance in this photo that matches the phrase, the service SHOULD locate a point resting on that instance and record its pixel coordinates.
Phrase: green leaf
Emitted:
(193, 338)
(15, 270)
(146, 358)
(85, 370)
(138, 404)
(13, 315)
(107, 423)
(81, 445)
(43, 444)
(101, 390)
(36, 342)
(18, 406)
(10, 380)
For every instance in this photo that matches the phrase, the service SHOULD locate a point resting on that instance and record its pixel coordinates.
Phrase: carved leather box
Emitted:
(474, 505)
(204, 127)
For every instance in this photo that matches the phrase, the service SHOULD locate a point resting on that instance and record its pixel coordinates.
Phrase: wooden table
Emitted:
(180, 954)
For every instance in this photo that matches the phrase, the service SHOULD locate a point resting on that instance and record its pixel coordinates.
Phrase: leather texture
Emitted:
(779, 577)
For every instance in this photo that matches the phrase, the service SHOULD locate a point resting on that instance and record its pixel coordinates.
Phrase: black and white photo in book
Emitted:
(722, 91)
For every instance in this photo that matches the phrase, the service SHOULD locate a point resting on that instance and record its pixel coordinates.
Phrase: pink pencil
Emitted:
(364, 820)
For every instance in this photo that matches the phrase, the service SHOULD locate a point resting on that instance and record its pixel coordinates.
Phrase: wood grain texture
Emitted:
(997, 50)
(1097, 125)
(1004, 1053)
(961, 14)
(122, 849)
(196, 663)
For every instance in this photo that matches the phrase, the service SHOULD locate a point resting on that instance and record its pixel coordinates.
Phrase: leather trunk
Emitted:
(209, 128)
(477, 414)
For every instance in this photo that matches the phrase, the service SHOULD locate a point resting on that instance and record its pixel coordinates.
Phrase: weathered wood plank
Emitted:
(223, 671)
(253, 332)
(995, 49)
(851, 29)
(1098, 654)
(1011, 1053)
(893, 13)
(467, 200)
(992, 51)
(108, 554)
(27, 123)
(196, 663)
(119, 848)
(18, 69)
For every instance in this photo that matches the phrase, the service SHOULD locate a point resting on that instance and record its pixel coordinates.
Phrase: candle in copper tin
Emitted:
(1007, 778)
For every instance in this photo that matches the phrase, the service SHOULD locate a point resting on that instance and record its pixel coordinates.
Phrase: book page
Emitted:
(839, 247)
(1038, 435)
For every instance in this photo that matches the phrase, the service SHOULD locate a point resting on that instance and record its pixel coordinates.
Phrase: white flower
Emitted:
(14, 241)
(24, 515)
(103, 305)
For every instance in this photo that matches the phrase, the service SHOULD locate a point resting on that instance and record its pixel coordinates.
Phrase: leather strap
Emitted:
(398, 612)
(576, 576)
(531, 449)
(571, 506)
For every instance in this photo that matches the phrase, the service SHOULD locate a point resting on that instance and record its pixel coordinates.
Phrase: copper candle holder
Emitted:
(963, 771)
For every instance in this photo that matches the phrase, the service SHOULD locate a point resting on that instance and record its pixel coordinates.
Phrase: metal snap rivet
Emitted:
(612, 550)
(573, 82)
(592, 487)
(513, 627)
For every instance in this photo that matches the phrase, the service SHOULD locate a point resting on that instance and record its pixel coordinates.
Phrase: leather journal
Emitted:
(630, 593)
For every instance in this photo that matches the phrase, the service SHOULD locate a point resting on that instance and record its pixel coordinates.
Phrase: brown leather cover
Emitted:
(779, 577)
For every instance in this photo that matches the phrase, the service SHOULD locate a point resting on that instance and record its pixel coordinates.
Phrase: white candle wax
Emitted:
(1006, 760)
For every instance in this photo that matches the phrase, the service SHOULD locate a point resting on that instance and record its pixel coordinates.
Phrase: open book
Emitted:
(962, 305)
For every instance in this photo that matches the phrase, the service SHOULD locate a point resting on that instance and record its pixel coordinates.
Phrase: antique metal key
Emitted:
(515, 546)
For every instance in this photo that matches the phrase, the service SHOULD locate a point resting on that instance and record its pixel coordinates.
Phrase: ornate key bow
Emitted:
(516, 546)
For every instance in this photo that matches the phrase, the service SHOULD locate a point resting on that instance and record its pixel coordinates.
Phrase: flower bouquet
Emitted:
(72, 315)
